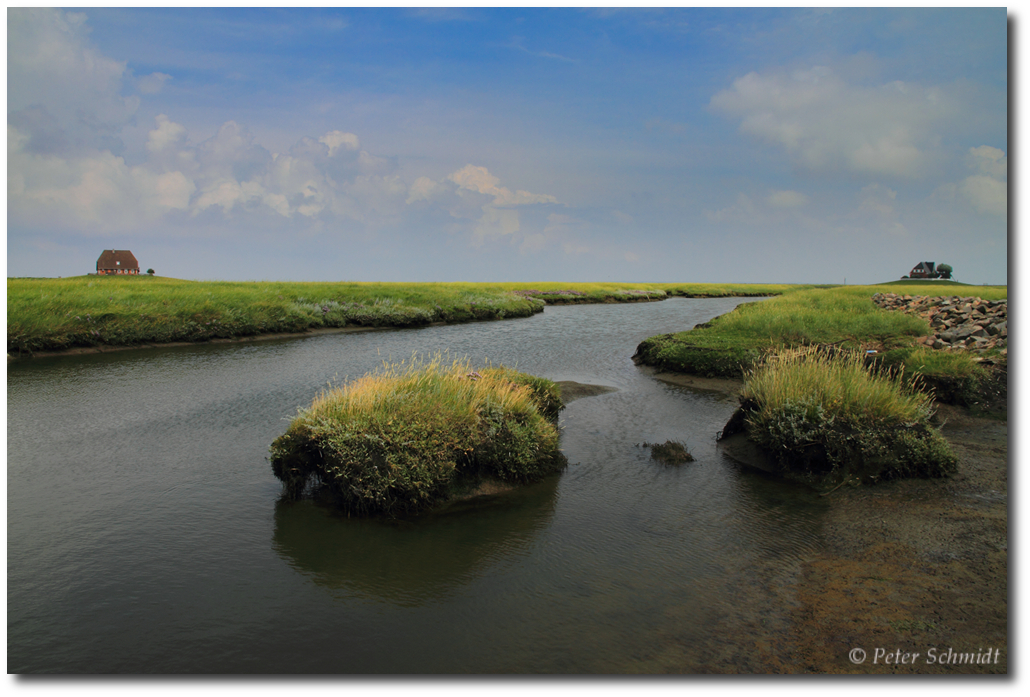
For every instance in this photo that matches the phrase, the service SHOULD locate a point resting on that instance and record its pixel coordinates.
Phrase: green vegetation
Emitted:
(50, 314)
(412, 435)
(825, 416)
(844, 317)
(929, 285)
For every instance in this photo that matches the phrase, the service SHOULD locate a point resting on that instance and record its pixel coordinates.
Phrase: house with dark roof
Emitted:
(117, 261)
(923, 269)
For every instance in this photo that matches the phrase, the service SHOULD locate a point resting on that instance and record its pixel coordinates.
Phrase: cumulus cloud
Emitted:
(166, 136)
(334, 140)
(55, 72)
(478, 179)
(228, 172)
(67, 166)
(990, 161)
(824, 123)
(474, 194)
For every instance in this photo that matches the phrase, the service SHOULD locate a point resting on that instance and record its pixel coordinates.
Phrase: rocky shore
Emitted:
(958, 323)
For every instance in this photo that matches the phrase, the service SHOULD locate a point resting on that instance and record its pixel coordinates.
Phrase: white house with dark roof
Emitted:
(924, 269)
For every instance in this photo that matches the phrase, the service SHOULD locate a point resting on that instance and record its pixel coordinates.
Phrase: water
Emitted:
(145, 531)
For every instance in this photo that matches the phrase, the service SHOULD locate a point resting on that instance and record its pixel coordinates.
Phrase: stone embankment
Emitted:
(958, 324)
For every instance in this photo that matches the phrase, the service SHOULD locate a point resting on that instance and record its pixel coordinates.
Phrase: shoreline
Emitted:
(85, 350)
(911, 564)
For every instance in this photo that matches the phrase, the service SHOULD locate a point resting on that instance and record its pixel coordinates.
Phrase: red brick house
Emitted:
(117, 261)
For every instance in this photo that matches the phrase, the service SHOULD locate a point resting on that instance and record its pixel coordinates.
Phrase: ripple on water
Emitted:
(145, 531)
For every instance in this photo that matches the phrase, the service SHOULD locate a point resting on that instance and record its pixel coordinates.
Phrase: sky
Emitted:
(670, 145)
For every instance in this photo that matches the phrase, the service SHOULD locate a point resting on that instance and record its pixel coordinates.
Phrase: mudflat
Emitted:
(913, 573)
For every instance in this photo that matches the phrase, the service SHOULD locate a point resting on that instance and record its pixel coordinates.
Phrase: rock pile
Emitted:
(962, 324)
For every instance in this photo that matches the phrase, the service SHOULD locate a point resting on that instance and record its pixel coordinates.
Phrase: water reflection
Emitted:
(410, 562)
(144, 531)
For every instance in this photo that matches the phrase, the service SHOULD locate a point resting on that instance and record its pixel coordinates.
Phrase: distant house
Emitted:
(923, 269)
(117, 261)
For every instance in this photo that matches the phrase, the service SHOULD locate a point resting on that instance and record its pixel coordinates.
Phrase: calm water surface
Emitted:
(145, 531)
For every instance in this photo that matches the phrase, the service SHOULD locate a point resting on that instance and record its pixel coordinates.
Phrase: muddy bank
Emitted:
(913, 564)
(727, 387)
(919, 565)
(571, 391)
(81, 350)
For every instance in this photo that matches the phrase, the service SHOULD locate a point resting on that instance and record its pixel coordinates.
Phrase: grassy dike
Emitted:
(412, 435)
(51, 314)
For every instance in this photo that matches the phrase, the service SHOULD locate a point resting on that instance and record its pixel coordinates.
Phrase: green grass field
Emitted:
(56, 314)
(844, 316)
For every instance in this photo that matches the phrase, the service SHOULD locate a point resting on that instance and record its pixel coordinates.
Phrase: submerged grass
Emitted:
(412, 434)
(825, 415)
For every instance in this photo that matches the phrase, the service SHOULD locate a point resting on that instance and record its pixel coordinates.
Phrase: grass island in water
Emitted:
(826, 417)
(413, 435)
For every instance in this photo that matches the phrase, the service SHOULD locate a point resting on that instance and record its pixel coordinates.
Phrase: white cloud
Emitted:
(827, 124)
(480, 180)
(53, 67)
(167, 135)
(990, 161)
(786, 199)
(66, 165)
(987, 194)
(335, 140)
(426, 189)
(98, 193)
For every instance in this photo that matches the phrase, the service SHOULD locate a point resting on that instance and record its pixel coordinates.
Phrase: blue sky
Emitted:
(693, 145)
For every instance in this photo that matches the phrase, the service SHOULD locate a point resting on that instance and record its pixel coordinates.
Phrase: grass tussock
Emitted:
(827, 416)
(412, 434)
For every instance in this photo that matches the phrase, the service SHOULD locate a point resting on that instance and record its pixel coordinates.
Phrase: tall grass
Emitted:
(825, 414)
(838, 384)
(405, 437)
